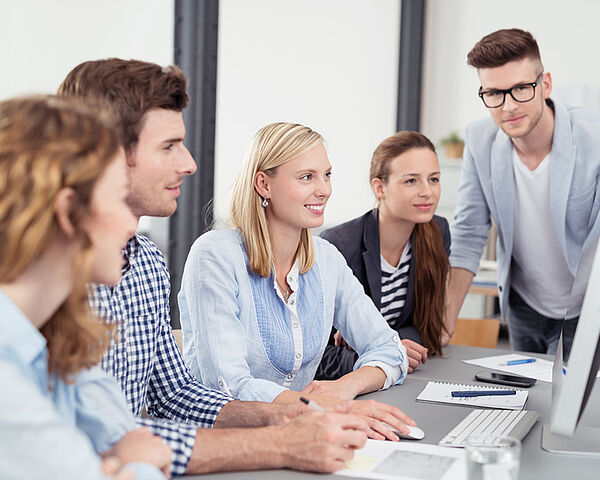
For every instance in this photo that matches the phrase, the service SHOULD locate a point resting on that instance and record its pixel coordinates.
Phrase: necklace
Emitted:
(285, 292)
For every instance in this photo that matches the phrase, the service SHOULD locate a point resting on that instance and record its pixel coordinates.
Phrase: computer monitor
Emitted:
(573, 379)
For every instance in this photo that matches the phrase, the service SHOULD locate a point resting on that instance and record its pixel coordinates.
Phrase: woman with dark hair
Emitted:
(398, 251)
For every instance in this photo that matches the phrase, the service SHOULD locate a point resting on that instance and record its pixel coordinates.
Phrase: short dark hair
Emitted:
(128, 89)
(503, 46)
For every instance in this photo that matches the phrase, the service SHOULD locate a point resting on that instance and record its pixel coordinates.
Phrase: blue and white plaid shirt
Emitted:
(145, 358)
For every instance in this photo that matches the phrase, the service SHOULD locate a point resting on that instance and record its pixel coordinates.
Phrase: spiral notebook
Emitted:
(441, 392)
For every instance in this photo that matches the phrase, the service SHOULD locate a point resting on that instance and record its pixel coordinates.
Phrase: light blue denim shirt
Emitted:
(240, 337)
(48, 428)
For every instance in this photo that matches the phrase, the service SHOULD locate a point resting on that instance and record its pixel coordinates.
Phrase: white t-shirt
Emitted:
(539, 271)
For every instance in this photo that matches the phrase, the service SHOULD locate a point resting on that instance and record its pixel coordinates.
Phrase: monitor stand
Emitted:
(585, 442)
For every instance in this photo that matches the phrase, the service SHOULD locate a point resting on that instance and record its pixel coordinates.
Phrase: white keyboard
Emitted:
(492, 424)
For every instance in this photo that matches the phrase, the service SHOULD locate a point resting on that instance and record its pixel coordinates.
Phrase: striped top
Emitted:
(394, 283)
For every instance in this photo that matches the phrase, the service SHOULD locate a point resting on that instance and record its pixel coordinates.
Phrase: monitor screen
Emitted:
(573, 377)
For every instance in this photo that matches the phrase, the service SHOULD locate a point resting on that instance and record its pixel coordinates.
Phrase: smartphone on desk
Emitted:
(505, 379)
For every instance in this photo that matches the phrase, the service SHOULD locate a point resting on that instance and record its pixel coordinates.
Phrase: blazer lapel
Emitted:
(503, 187)
(371, 256)
(562, 164)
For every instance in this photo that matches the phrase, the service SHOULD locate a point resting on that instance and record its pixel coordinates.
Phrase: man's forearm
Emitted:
(235, 449)
(238, 414)
(458, 287)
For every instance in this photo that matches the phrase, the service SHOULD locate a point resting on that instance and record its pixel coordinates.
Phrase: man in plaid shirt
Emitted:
(146, 102)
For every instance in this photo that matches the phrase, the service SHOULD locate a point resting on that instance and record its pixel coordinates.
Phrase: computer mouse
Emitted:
(414, 433)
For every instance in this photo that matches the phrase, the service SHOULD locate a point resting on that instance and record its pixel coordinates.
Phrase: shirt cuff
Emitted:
(392, 374)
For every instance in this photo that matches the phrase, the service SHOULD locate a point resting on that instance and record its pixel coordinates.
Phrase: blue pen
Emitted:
(482, 393)
(519, 362)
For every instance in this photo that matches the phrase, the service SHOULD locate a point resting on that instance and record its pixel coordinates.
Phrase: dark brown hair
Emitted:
(503, 46)
(48, 144)
(431, 261)
(128, 89)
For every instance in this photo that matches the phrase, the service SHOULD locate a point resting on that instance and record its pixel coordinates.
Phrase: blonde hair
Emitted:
(273, 145)
(48, 144)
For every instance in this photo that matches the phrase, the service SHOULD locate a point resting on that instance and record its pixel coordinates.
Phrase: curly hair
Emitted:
(48, 144)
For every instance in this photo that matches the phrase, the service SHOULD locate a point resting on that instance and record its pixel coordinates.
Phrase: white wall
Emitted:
(328, 64)
(567, 33)
(41, 41)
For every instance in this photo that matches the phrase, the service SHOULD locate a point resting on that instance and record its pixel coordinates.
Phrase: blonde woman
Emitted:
(258, 302)
(63, 222)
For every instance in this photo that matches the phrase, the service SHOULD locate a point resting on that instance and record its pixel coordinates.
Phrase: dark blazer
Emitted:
(358, 241)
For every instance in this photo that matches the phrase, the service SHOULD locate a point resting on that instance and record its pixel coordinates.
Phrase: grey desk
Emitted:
(438, 420)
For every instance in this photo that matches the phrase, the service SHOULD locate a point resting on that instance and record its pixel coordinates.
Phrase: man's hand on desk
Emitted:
(320, 442)
(285, 413)
(416, 354)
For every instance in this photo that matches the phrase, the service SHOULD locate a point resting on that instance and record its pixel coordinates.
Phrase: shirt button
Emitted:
(220, 383)
(290, 279)
(298, 355)
(290, 376)
(292, 301)
(295, 325)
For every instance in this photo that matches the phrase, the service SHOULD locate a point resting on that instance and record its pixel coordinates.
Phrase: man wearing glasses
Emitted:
(534, 168)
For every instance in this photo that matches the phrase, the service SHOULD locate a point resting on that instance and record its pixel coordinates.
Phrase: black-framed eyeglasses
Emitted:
(524, 92)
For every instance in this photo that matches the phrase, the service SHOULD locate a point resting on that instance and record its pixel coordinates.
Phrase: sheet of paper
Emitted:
(540, 369)
(406, 460)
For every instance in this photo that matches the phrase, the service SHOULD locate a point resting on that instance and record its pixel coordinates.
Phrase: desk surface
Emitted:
(438, 420)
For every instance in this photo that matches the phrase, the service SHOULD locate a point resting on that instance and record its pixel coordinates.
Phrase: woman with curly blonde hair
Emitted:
(63, 222)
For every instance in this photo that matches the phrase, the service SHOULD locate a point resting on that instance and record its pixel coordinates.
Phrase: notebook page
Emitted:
(441, 392)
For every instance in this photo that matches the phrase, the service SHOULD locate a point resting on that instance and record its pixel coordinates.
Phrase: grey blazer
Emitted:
(487, 190)
(358, 242)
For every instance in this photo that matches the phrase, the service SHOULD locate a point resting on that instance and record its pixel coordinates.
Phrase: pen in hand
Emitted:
(482, 393)
(311, 404)
(519, 362)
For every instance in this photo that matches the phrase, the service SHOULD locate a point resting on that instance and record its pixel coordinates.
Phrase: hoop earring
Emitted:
(265, 203)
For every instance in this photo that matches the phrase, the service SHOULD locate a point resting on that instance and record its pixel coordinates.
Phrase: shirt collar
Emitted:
(129, 253)
(18, 332)
(292, 277)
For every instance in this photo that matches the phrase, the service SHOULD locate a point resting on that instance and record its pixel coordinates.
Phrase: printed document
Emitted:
(406, 461)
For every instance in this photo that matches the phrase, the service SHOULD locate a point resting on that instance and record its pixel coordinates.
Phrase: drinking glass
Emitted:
(492, 458)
